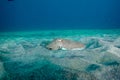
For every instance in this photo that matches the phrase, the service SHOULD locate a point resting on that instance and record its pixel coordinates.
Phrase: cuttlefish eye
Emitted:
(50, 48)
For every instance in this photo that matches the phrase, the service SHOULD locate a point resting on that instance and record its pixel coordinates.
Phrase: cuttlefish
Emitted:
(65, 44)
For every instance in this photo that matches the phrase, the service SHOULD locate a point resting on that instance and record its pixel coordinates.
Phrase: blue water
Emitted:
(23, 55)
(61, 14)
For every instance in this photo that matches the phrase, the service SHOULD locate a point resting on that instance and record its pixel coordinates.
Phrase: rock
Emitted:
(65, 44)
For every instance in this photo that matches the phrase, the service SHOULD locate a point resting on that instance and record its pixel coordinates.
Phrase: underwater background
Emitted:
(28, 26)
(17, 15)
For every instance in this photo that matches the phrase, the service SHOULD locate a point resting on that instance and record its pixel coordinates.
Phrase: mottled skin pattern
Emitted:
(64, 44)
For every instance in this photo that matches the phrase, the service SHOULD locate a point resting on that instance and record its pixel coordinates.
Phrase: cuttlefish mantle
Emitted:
(65, 44)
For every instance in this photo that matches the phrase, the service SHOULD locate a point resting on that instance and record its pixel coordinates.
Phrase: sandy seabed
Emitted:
(23, 56)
